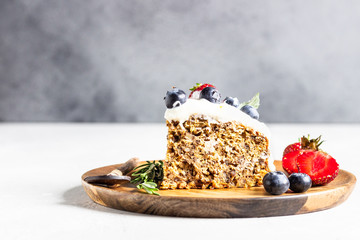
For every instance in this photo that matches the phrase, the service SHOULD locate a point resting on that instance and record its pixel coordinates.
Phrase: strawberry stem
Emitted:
(310, 144)
(195, 87)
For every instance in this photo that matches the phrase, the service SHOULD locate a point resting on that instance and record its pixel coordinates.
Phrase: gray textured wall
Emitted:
(90, 60)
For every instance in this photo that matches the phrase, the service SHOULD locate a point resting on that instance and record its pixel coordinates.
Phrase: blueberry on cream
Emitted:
(174, 98)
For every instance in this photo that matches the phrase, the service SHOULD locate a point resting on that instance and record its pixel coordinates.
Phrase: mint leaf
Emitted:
(254, 102)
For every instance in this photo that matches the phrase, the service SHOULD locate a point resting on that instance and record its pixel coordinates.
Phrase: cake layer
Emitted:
(204, 152)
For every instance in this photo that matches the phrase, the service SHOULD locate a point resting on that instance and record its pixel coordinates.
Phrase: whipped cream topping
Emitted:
(222, 112)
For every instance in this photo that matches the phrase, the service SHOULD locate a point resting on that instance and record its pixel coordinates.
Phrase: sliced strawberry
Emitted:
(198, 87)
(320, 166)
(289, 161)
(292, 147)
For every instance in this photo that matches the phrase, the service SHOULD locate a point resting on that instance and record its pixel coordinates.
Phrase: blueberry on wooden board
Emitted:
(276, 183)
(299, 182)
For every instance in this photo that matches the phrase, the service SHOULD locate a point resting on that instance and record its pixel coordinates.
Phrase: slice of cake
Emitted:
(212, 144)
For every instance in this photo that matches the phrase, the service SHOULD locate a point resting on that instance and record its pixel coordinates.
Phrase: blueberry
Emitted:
(211, 94)
(299, 182)
(174, 98)
(252, 112)
(276, 183)
(232, 101)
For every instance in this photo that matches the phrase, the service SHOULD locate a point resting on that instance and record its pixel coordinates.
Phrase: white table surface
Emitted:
(42, 197)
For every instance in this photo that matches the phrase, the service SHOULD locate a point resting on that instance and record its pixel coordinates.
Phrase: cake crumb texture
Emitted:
(204, 153)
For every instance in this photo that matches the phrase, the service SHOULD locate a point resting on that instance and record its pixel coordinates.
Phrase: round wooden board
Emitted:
(220, 203)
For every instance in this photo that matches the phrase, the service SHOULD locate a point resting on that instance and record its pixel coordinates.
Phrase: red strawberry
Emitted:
(289, 161)
(320, 166)
(198, 87)
(294, 150)
(292, 147)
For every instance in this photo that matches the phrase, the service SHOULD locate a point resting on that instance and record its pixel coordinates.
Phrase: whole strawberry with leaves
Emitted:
(306, 157)
(195, 90)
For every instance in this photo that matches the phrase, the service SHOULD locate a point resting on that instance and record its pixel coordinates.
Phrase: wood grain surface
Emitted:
(220, 203)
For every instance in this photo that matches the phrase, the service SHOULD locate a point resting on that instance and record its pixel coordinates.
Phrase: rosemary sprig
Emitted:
(149, 187)
(148, 175)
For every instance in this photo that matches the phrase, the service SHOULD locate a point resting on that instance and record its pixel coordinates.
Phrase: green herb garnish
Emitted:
(148, 175)
(254, 102)
(195, 87)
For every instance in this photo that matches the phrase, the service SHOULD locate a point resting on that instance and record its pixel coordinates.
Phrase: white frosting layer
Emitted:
(222, 112)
